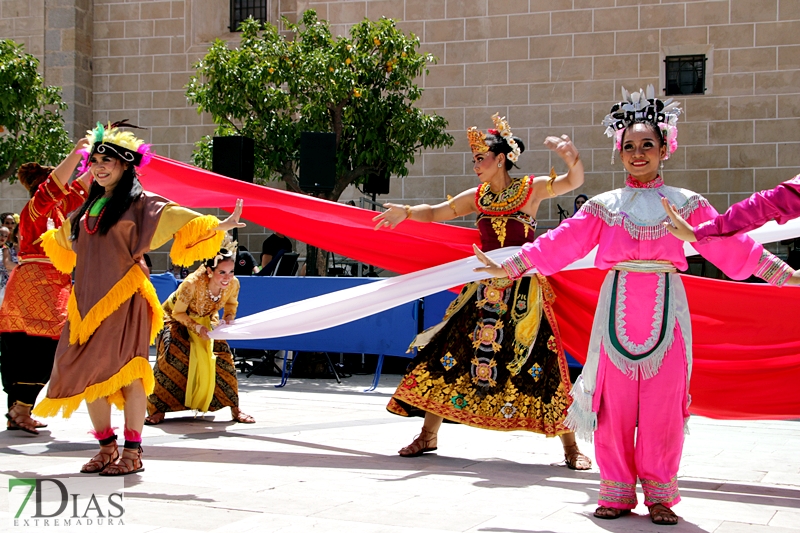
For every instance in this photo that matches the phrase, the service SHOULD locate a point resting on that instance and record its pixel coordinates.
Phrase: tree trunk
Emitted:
(316, 261)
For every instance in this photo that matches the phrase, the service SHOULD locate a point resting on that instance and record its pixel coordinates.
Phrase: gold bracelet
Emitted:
(452, 204)
(408, 211)
(578, 158)
(553, 177)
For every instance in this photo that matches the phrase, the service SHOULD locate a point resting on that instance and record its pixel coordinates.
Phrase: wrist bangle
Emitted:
(452, 204)
(198, 327)
(553, 177)
(578, 158)
(408, 211)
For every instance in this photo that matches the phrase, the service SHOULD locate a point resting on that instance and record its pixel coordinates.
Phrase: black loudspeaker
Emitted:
(377, 183)
(233, 157)
(317, 161)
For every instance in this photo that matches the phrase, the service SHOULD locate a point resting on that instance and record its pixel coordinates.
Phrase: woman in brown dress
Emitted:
(496, 361)
(113, 312)
(189, 314)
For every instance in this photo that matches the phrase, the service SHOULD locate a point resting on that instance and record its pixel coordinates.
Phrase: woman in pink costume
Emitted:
(781, 204)
(633, 392)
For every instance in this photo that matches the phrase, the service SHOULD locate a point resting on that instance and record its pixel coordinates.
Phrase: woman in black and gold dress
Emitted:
(496, 360)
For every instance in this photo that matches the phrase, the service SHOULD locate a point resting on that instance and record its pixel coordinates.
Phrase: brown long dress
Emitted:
(113, 311)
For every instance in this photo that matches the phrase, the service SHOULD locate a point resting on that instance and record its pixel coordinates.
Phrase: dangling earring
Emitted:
(210, 275)
(662, 165)
(499, 165)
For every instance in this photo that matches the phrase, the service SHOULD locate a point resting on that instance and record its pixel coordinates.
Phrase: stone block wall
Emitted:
(555, 66)
(550, 66)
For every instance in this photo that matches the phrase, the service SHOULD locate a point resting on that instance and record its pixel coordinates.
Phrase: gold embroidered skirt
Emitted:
(495, 362)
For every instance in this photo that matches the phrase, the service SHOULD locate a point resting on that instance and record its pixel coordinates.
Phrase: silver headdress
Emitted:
(644, 106)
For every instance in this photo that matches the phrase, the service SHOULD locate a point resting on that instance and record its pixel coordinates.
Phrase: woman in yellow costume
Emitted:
(113, 312)
(192, 371)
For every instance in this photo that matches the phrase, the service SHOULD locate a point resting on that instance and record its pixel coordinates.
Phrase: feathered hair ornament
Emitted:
(121, 144)
(644, 106)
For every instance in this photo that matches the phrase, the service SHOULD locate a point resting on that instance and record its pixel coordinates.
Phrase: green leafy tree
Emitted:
(30, 113)
(270, 88)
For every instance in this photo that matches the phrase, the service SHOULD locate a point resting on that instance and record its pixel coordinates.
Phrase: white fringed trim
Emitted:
(580, 417)
(639, 211)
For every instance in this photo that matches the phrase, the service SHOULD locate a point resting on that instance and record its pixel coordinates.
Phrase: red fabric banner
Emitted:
(746, 341)
(339, 228)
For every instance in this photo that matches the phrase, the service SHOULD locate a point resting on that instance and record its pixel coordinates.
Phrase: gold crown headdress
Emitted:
(477, 139)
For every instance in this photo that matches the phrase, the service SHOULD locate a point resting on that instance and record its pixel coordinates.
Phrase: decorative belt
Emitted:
(645, 266)
(35, 259)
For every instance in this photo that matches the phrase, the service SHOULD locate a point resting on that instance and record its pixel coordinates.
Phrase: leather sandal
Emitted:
(662, 515)
(154, 419)
(610, 513)
(576, 460)
(129, 463)
(21, 421)
(242, 418)
(102, 459)
(426, 441)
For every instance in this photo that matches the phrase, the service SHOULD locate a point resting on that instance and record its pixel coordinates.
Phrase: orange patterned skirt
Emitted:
(36, 300)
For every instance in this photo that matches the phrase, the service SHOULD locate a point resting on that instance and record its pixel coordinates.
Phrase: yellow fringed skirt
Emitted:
(113, 357)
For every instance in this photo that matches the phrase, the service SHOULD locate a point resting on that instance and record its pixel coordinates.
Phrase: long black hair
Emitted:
(127, 191)
(498, 145)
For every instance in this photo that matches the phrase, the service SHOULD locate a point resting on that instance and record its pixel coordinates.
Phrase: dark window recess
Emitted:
(685, 75)
(242, 9)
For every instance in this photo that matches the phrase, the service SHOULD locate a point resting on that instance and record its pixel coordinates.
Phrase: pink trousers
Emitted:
(640, 427)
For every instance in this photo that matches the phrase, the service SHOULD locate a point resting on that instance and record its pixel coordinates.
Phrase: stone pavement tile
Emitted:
(274, 523)
(720, 471)
(738, 527)
(429, 511)
(776, 496)
(783, 478)
(733, 511)
(183, 515)
(786, 519)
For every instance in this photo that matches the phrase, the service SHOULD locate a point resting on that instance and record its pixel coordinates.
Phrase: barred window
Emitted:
(685, 75)
(242, 9)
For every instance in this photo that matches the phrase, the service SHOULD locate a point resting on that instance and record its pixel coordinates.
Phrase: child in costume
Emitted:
(190, 313)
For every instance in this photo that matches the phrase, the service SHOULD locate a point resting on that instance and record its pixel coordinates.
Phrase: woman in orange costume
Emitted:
(35, 304)
(113, 310)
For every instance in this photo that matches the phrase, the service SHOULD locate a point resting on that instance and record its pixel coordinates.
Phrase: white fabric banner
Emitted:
(340, 307)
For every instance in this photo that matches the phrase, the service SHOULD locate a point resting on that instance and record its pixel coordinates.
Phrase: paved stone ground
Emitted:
(322, 457)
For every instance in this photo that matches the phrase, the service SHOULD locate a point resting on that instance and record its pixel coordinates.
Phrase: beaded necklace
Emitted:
(509, 200)
(97, 209)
